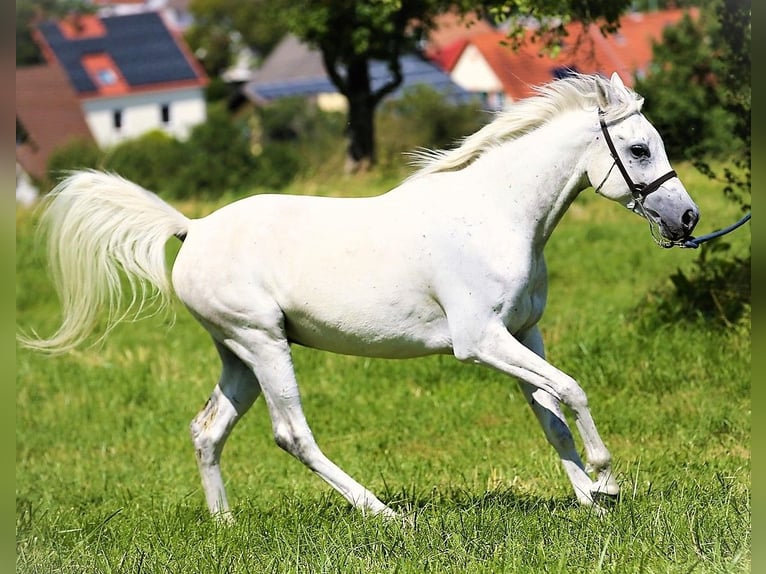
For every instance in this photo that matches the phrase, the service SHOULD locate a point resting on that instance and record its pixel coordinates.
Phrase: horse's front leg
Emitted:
(498, 349)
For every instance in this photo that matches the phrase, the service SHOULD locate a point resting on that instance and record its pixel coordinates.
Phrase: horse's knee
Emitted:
(573, 396)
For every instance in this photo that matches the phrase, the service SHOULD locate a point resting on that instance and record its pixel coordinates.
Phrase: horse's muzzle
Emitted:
(675, 213)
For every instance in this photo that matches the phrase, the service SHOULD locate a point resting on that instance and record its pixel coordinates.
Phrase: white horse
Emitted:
(451, 261)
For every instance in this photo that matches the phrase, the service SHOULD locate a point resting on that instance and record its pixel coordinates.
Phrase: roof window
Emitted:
(104, 73)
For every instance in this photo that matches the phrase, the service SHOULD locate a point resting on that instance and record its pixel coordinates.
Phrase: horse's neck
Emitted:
(536, 177)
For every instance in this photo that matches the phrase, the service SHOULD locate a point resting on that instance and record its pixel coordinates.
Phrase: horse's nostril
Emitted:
(689, 219)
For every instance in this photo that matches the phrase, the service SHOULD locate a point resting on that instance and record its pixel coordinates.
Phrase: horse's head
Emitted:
(628, 164)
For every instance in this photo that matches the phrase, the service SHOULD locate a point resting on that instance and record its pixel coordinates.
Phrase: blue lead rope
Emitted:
(695, 242)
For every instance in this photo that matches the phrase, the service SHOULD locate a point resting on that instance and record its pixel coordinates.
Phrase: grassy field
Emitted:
(106, 479)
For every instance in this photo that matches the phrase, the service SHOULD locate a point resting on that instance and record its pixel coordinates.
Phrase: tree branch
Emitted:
(395, 67)
(330, 60)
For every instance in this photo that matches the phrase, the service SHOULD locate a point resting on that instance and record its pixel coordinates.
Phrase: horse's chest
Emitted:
(523, 302)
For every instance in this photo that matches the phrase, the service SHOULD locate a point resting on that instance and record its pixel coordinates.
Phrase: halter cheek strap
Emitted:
(638, 190)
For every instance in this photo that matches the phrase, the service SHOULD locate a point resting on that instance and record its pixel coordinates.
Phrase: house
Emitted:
(295, 69)
(175, 13)
(449, 27)
(485, 64)
(130, 74)
(48, 115)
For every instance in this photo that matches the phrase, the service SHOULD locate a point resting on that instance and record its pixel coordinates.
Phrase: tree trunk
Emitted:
(352, 79)
(360, 154)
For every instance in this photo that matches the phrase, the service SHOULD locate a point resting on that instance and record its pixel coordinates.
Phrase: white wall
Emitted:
(142, 113)
(474, 74)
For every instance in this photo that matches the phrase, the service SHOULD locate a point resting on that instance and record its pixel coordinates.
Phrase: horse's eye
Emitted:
(640, 151)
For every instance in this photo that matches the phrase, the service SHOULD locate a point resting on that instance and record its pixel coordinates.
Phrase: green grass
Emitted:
(106, 479)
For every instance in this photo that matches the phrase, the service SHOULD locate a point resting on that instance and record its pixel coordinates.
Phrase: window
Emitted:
(117, 119)
(104, 73)
(106, 77)
(165, 113)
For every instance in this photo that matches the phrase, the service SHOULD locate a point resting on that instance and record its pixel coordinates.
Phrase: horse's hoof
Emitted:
(606, 500)
(605, 491)
(224, 518)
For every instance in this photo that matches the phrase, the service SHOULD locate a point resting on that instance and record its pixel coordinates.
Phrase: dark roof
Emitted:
(295, 69)
(144, 51)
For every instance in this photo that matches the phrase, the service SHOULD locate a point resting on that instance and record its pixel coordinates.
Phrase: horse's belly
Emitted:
(374, 329)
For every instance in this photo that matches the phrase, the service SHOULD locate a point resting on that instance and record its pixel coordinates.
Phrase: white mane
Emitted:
(572, 93)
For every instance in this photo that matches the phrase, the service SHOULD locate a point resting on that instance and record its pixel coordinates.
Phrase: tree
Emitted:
(350, 34)
(699, 97)
(30, 11)
(221, 25)
(710, 116)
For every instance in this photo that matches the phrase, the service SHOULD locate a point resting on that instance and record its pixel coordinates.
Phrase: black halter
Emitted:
(638, 190)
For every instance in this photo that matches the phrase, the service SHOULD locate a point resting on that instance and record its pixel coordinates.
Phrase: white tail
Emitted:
(98, 224)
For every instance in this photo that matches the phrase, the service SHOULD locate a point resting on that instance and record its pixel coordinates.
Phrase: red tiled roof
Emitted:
(450, 34)
(632, 44)
(82, 26)
(448, 56)
(451, 26)
(48, 109)
(585, 50)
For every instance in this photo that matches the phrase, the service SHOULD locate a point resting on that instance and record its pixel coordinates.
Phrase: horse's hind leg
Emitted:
(235, 392)
(268, 354)
(548, 412)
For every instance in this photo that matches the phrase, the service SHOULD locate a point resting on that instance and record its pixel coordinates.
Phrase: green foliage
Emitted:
(77, 154)
(717, 288)
(422, 118)
(277, 165)
(698, 92)
(221, 27)
(350, 34)
(267, 148)
(698, 96)
(27, 11)
(218, 90)
(147, 160)
(217, 158)
(691, 120)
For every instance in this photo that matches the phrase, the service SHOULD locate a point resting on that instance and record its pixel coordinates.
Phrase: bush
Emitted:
(216, 159)
(313, 136)
(270, 147)
(277, 165)
(422, 118)
(151, 160)
(77, 154)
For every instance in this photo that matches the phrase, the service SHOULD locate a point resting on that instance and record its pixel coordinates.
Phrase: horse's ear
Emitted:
(617, 82)
(603, 93)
